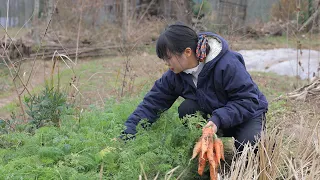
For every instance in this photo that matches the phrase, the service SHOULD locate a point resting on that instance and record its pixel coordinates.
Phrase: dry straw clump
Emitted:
(289, 149)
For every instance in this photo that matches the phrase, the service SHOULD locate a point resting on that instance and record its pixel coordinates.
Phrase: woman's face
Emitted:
(179, 63)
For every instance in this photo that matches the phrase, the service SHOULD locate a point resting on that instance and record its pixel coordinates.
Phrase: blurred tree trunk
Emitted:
(118, 11)
(125, 22)
(96, 11)
(16, 13)
(26, 18)
(21, 7)
(167, 8)
(176, 9)
(35, 33)
(310, 7)
(13, 11)
(9, 13)
(313, 15)
(183, 11)
(50, 7)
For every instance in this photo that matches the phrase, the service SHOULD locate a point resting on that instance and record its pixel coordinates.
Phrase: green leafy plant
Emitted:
(46, 107)
(93, 150)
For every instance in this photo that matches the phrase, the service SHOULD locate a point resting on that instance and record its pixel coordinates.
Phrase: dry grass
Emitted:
(289, 149)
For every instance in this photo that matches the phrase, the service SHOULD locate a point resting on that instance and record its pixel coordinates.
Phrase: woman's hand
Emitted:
(211, 124)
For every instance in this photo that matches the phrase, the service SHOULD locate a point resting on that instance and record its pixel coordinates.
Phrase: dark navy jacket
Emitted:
(225, 90)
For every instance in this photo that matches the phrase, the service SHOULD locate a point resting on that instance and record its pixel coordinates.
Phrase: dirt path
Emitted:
(14, 97)
(6, 100)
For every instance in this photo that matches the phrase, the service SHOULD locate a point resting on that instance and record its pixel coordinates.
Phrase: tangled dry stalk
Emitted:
(307, 92)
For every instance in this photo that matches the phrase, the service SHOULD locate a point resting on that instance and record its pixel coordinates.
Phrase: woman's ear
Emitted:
(188, 52)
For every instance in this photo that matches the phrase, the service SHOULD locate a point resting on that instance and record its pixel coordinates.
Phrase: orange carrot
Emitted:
(210, 150)
(196, 149)
(202, 164)
(218, 147)
(207, 134)
(221, 149)
(204, 145)
(207, 131)
(217, 150)
(213, 172)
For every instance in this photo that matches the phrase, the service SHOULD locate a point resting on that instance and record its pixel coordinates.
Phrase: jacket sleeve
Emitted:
(158, 99)
(242, 94)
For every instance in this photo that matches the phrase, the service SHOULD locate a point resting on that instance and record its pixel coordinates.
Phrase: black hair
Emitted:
(175, 39)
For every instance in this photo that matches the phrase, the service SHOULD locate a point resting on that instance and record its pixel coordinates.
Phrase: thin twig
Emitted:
(22, 28)
(170, 173)
(46, 30)
(311, 18)
(155, 178)
(145, 12)
(16, 89)
(143, 172)
(195, 25)
(126, 72)
(101, 171)
(79, 26)
(101, 98)
(77, 89)
(16, 72)
(62, 56)
(5, 38)
(65, 50)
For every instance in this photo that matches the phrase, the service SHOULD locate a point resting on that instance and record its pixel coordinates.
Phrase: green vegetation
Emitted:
(72, 142)
(83, 144)
(47, 107)
(86, 144)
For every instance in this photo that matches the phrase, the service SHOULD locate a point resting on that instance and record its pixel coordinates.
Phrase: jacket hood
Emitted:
(224, 49)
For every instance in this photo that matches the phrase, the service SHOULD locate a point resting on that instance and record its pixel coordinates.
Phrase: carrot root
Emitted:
(196, 149)
(209, 148)
(202, 164)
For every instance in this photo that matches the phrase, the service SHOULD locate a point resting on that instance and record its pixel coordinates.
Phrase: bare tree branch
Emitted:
(314, 15)
(45, 32)
(79, 27)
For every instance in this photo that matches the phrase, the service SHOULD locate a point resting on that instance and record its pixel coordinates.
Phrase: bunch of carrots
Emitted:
(210, 148)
